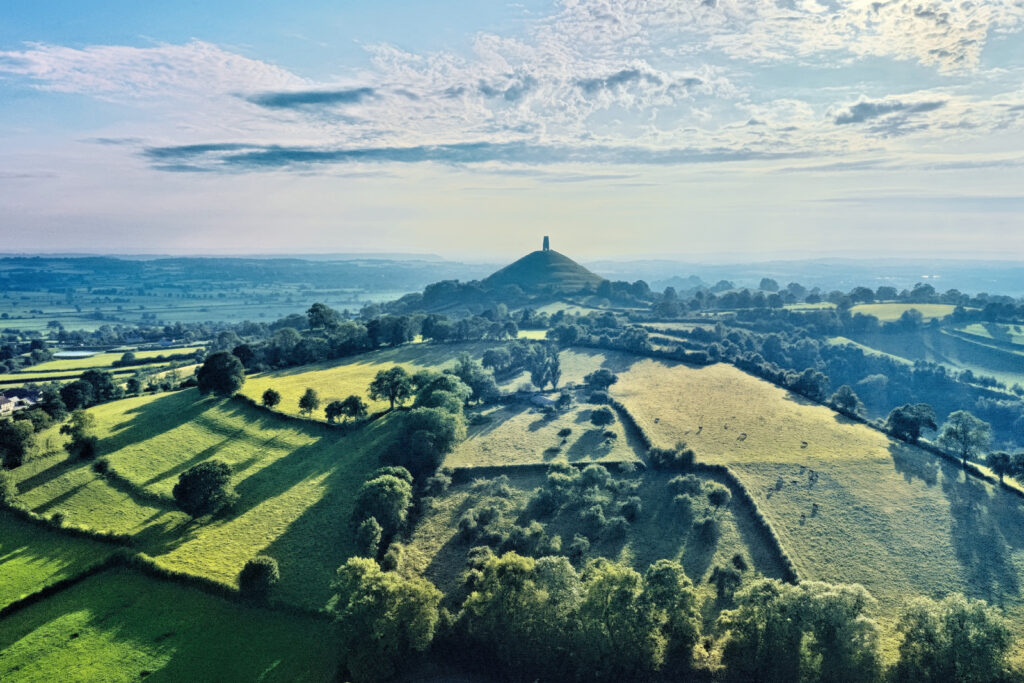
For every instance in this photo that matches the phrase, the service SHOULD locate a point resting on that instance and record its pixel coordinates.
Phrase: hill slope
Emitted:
(544, 270)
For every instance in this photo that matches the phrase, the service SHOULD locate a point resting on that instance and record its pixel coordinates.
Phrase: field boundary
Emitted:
(23, 513)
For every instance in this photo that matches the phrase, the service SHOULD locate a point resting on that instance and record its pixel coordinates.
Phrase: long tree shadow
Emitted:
(981, 547)
(914, 463)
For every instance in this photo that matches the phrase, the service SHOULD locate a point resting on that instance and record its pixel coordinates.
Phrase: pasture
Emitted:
(121, 626)
(295, 483)
(106, 360)
(848, 503)
(519, 434)
(33, 557)
(889, 312)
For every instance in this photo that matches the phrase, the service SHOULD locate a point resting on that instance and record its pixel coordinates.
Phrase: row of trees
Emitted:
(544, 619)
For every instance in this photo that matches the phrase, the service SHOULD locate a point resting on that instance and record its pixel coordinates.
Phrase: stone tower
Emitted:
(547, 243)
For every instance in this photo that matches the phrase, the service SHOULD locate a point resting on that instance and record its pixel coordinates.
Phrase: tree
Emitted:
(846, 401)
(258, 577)
(271, 398)
(496, 359)
(309, 401)
(204, 488)
(1001, 463)
(965, 434)
(671, 596)
(354, 407)
(383, 617)
(386, 498)
(368, 537)
(768, 285)
(953, 640)
(718, 495)
(602, 416)
(424, 436)
(908, 421)
(601, 379)
(333, 411)
(472, 373)
(16, 438)
(221, 374)
(8, 489)
(322, 316)
(393, 385)
(83, 445)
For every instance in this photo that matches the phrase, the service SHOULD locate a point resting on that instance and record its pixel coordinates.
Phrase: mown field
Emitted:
(519, 434)
(888, 312)
(1011, 334)
(33, 557)
(295, 483)
(659, 531)
(848, 503)
(120, 626)
(106, 360)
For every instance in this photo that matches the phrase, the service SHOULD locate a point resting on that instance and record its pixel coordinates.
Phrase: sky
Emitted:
(714, 130)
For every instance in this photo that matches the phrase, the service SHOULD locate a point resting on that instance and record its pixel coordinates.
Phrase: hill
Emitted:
(544, 270)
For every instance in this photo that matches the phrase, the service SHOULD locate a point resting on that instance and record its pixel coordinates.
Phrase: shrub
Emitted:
(678, 458)
(683, 504)
(368, 537)
(258, 576)
(579, 547)
(394, 471)
(718, 495)
(437, 484)
(271, 398)
(593, 520)
(616, 527)
(599, 397)
(564, 432)
(204, 488)
(57, 519)
(101, 466)
(8, 490)
(385, 498)
(595, 475)
(688, 484)
(601, 417)
(708, 530)
(725, 580)
(631, 508)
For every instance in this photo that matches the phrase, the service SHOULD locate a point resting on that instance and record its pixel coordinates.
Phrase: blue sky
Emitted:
(699, 129)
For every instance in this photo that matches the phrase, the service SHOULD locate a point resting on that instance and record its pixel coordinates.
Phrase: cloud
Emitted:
(243, 157)
(620, 78)
(871, 109)
(304, 98)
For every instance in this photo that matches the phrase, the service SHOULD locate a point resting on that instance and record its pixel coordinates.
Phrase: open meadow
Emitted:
(121, 626)
(848, 503)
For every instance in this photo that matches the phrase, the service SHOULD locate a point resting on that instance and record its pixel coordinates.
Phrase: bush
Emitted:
(599, 397)
(718, 495)
(616, 527)
(8, 490)
(394, 471)
(593, 521)
(683, 505)
(368, 537)
(678, 458)
(631, 508)
(101, 466)
(708, 530)
(204, 488)
(258, 576)
(601, 417)
(689, 485)
(386, 498)
(564, 432)
(437, 484)
(579, 547)
(595, 475)
(57, 519)
(271, 398)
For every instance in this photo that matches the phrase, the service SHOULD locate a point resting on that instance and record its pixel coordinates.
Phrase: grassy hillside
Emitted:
(520, 435)
(33, 557)
(340, 378)
(295, 482)
(849, 504)
(544, 270)
(120, 626)
(106, 360)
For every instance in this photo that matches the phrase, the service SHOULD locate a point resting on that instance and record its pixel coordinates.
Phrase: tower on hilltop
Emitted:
(547, 244)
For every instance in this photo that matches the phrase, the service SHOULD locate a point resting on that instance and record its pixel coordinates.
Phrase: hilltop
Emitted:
(544, 270)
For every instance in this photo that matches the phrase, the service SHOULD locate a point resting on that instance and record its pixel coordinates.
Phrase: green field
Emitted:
(844, 341)
(120, 626)
(106, 360)
(521, 435)
(892, 311)
(295, 482)
(894, 518)
(32, 557)
(1011, 334)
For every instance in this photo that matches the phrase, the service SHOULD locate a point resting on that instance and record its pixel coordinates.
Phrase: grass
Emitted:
(1012, 334)
(338, 379)
(891, 517)
(888, 312)
(33, 557)
(844, 341)
(295, 481)
(106, 360)
(120, 626)
(537, 335)
(518, 434)
(658, 532)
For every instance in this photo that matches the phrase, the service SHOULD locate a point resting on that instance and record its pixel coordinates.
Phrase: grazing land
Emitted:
(887, 312)
(518, 434)
(848, 503)
(33, 557)
(120, 626)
